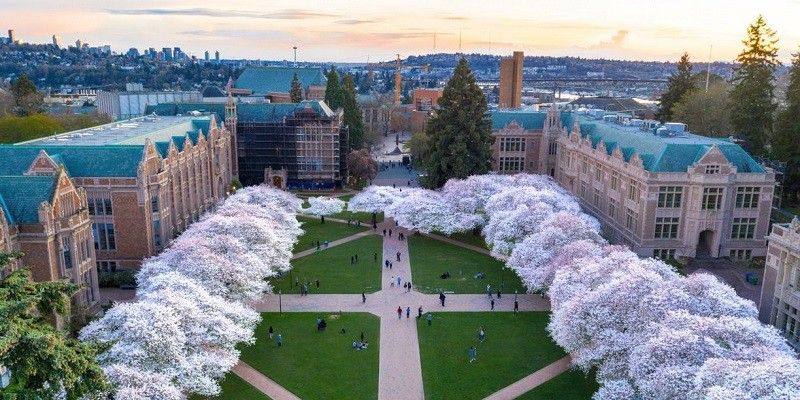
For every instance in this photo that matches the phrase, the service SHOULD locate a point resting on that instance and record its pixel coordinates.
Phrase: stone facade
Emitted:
(780, 291)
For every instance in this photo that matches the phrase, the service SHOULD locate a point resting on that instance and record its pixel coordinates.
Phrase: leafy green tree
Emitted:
(334, 97)
(352, 113)
(27, 99)
(752, 103)
(42, 359)
(460, 132)
(786, 141)
(680, 83)
(706, 112)
(297, 90)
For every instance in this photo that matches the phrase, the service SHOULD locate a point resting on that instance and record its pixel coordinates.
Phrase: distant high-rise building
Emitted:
(57, 41)
(206, 56)
(11, 37)
(511, 81)
(167, 53)
(216, 56)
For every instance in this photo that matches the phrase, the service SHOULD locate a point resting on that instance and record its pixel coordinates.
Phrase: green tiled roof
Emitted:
(21, 195)
(245, 112)
(532, 120)
(79, 161)
(264, 80)
(663, 154)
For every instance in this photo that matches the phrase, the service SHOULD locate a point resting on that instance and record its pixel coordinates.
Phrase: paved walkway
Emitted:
(533, 380)
(400, 375)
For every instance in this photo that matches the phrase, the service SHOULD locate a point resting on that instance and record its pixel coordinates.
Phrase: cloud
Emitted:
(359, 21)
(615, 41)
(289, 13)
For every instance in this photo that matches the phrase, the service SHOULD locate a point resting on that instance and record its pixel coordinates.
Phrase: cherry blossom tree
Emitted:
(324, 206)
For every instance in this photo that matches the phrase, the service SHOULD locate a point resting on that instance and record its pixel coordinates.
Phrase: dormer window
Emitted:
(712, 169)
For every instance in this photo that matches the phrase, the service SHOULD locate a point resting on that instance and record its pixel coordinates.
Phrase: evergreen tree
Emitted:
(27, 99)
(296, 94)
(334, 97)
(786, 142)
(680, 83)
(352, 113)
(460, 134)
(42, 359)
(752, 102)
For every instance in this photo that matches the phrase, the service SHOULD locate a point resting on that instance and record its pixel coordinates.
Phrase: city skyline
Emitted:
(360, 31)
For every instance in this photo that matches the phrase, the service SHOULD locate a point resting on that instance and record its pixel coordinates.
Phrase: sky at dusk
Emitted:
(358, 31)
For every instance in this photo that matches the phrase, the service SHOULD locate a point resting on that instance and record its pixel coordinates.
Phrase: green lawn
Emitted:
(430, 258)
(332, 267)
(468, 238)
(318, 365)
(516, 345)
(571, 385)
(235, 388)
(316, 231)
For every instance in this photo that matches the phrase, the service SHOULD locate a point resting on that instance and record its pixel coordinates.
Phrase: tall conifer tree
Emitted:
(680, 83)
(752, 103)
(460, 133)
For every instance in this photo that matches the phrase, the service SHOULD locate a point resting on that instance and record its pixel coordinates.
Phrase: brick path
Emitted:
(400, 375)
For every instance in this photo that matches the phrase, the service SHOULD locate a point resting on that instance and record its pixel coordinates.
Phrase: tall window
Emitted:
(511, 164)
(666, 228)
(712, 198)
(614, 181)
(633, 190)
(66, 252)
(104, 236)
(747, 197)
(631, 219)
(670, 196)
(743, 228)
(99, 206)
(512, 144)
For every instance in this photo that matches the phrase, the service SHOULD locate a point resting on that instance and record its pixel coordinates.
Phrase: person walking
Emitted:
(442, 297)
(419, 312)
(491, 302)
(399, 312)
(363, 297)
(279, 340)
(429, 317)
(270, 331)
(481, 334)
(516, 306)
(472, 353)
(408, 312)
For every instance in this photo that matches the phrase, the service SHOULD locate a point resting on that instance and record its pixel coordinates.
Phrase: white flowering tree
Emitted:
(181, 335)
(324, 206)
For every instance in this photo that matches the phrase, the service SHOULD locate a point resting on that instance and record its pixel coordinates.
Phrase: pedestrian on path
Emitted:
(429, 318)
(363, 297)
(399, 312)
(516, 306)
(481, 334)
(279, 340)
(408, 312)
(472, 353)
(270, 331)
(441, 298)
(398, 256)
(492, 303)
(419, 312)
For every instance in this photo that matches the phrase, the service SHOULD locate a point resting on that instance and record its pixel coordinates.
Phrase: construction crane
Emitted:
(398, 78)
